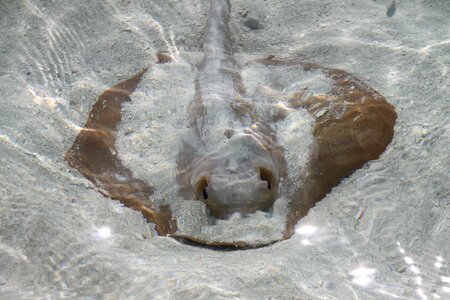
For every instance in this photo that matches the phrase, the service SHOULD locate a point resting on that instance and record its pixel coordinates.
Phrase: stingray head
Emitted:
(242, 177)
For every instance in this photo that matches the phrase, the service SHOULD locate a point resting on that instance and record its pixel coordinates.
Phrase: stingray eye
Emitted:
(201, 188)
(266, 175)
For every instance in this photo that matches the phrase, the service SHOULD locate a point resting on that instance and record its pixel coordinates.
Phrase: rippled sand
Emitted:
(381, 234)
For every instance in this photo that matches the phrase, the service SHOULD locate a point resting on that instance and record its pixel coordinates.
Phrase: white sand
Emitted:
(381, 234)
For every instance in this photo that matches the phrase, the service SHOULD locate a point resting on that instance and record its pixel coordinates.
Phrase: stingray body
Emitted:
(242, 174)
(235, 164)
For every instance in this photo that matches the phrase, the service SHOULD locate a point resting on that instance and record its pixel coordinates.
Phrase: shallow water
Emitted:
(381, 234)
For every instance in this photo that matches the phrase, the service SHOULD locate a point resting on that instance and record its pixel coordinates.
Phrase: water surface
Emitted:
(381, 234)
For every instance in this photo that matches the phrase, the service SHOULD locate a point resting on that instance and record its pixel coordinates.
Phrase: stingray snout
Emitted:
(245, 193)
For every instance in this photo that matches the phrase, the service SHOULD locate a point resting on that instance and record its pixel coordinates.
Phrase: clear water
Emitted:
(381, 234)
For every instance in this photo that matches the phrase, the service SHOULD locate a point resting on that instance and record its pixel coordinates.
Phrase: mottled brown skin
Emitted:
(356, 126)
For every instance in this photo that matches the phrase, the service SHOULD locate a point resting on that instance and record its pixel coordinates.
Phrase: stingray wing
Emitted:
(94, 155)
(353, 125)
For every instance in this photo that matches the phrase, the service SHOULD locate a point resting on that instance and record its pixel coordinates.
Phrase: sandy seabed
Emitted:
(381, 234)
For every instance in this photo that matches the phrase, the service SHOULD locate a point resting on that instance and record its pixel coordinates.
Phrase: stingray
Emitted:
(263, 141)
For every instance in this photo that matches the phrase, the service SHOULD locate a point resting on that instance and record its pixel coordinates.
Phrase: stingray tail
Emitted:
(217, 42)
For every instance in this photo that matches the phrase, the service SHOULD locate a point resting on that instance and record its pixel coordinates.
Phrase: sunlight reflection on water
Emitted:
(306, 230)
(363, 276)
(104, 232)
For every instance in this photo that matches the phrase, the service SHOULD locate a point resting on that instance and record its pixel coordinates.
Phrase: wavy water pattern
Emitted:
(381, 234)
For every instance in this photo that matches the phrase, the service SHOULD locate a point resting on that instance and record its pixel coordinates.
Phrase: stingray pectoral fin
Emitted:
(94, 155)
(353, 125)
